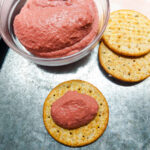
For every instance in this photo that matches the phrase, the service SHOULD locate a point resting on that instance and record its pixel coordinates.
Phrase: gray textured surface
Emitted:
(24, 87)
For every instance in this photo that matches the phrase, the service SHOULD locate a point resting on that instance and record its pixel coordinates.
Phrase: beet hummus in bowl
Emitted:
(53, 32)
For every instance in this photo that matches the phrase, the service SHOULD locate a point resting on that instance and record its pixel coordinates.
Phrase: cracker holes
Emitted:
(99, 115)
(49, 117)
(98, 127)
(119, 21)
(57, 131)
(68, 86)
(90, 91)
(119, 36)
(129, 38)
(136, 16)
(139, 69)
(110, 29)
(133, 60)
(129, 73)
(83, 136)
(129, 14)
(109, 60)
(139, 48)
(128, 29)
(108, 68)
(79, 89)
(101, 104)
(70, 133)
(138, 31)
(119, 46)
(129, 46)
(54, 95)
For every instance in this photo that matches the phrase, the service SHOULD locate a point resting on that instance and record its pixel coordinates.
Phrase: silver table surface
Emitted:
(24, 87)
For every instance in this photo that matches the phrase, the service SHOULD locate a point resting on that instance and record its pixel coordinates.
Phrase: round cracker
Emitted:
(128, 33)
(85, 134)
(124, 68)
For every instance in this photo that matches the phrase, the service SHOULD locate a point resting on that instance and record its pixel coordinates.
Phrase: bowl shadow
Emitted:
(67, 68)
(4, 49)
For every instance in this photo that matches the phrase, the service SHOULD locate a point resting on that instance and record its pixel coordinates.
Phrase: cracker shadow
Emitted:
(4, 49)
(115, 80)
(67, 68)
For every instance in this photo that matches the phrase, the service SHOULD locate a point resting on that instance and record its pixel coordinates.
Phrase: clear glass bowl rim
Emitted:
(34, 58)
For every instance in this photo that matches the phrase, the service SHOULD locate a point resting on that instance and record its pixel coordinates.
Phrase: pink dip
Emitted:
(56, 28)
(74, 110)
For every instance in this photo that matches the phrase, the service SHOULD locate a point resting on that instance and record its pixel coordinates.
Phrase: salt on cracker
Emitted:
(124, 68)
(85, 134)
(128, 33)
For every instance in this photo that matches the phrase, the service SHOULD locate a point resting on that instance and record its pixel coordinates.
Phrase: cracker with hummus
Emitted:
(128, 33)
(82, 135)
(127, 69)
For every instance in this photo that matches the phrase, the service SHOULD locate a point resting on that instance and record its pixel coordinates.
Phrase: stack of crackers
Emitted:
(125, 50)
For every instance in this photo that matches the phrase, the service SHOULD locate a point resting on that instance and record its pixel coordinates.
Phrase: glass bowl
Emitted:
(10, 8)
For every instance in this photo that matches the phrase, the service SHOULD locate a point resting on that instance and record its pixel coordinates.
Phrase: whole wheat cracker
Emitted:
(128, 33)
(127, 69)
(85, 134)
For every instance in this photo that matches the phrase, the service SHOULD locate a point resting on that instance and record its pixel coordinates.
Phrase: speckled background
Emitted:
(24, 87)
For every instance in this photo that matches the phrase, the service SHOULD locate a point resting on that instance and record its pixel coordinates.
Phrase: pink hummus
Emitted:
(56, 28)
(74, 110)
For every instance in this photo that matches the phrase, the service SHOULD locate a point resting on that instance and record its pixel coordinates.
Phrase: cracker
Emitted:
(124, 68)
(128, 33)
(85, 134)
